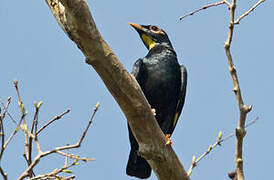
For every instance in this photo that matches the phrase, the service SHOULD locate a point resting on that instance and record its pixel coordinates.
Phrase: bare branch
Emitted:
(2, 132)
(42, 154)
(13, 133)
(249, 11)
(75, 19)
(5, 108)
(72, 156)
(55, 172)
(210, 148)
(219, 142)
(25, 125)
(246, 126)
(205, 7)
(243, 108)
(33, 126)
(51, 121)
(8, 113)
(66, 157)
(89, 123)
(3, 173)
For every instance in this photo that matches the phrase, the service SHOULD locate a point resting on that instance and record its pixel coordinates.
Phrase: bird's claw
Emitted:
(168, 140)
(153, 111)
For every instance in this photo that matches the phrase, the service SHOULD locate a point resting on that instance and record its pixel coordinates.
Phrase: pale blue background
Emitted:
(50, 67)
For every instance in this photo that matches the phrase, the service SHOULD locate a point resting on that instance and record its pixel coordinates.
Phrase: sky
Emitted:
(50, 68)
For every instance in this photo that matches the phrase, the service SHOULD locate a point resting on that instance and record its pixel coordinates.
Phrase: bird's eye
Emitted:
(154, 28)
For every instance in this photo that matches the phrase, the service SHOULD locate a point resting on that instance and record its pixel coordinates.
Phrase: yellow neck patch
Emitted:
(148, 41)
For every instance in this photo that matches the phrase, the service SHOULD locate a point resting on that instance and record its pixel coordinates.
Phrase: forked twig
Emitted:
(42, 154)
(249, 11)
(54, 173)
(8, 112)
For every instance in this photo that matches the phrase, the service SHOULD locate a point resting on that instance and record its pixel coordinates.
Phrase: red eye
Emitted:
(154, 28)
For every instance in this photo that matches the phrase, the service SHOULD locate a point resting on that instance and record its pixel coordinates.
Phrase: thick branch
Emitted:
(75, 19)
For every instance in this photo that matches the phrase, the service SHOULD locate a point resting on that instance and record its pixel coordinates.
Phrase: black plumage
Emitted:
(163, 82)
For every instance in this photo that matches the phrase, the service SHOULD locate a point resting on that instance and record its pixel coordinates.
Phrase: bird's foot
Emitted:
(153, 111)
(168, 140)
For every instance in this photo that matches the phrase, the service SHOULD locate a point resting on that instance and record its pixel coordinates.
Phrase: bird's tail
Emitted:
(137, 166)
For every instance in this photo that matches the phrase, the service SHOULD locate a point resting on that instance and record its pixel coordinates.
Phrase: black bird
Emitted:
(163, 82)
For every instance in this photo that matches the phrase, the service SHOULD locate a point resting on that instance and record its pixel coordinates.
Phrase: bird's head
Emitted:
(151, 35)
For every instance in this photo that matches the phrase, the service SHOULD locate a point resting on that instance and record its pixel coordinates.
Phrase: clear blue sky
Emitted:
(50, 67)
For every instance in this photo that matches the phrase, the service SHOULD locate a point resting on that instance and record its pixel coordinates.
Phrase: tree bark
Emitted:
(75, 19)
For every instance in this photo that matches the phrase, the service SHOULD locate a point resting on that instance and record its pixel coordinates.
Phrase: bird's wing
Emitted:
(137, 166)
(138, 71)
(182, 95)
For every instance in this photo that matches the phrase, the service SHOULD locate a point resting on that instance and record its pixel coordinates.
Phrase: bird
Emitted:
(163, 81)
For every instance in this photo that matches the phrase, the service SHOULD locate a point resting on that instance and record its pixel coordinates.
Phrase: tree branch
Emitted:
(218, 142)
(205, 7)
(57, 150)
(2, 132)
(75, 19)
(51, 121)
(5, 177)
(244, 109)
(25, 128)
(249, 11)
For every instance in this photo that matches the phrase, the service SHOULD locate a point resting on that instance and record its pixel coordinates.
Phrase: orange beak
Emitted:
(136, 26)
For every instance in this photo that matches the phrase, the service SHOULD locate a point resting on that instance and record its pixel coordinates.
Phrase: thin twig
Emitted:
(51, 121)
(5, 107)
(15, 130)
(25, 125)
(54, 173)
(249, 11)
(205, 7)
(71, 156)
(2, 117)
(8, 113)
(66, 157)
(5, 176)
(42, 154)
(13, 133)
(246, 126)
(34, 121)
(219, 142)
(89, 123)
(3, 144)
